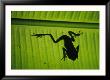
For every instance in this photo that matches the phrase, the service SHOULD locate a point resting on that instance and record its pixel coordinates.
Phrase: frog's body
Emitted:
(69, 49)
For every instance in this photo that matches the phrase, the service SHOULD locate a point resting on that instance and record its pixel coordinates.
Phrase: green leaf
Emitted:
(28, 52)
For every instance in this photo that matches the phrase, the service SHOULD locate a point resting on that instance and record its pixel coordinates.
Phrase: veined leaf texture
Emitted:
(28, 52)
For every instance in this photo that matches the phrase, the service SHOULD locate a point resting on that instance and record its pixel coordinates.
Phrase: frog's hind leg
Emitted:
(77, 50)
(64, 54)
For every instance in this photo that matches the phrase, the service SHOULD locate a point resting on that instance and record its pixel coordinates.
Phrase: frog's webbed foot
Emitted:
(37, 35)
(80, 32)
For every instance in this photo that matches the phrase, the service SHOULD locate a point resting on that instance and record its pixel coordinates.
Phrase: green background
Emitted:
(28, 52)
